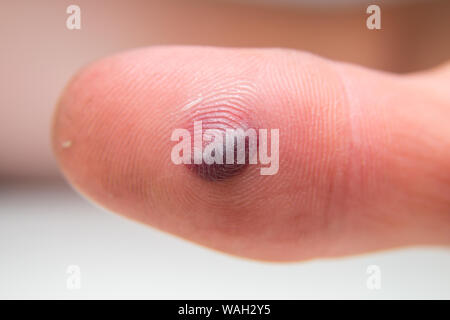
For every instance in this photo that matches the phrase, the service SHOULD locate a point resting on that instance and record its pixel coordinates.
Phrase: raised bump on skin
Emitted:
(223, 111)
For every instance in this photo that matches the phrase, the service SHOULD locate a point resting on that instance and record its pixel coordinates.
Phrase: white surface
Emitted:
(44, 228)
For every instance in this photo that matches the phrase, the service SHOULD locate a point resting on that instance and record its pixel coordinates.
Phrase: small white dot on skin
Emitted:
(192, 103)
(66, 144)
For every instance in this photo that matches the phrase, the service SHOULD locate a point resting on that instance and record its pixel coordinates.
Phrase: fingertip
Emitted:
(112, 137)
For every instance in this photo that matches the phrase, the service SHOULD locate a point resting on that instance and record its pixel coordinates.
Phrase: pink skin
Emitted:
(364, 155)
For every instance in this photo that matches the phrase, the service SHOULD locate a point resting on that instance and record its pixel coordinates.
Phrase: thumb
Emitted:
(364, 157)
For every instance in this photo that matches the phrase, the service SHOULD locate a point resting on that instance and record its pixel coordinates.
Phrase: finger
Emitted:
(363, 155)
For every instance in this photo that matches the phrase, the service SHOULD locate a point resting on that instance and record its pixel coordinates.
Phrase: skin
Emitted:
(364, 154)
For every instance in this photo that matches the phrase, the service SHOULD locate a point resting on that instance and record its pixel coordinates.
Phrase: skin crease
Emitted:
(364, 155)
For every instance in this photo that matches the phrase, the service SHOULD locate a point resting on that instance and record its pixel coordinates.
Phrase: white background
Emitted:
(45, 227)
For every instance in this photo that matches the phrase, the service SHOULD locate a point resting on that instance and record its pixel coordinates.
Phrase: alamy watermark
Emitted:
(227, 146)
(373, 282)
(373, 22)
(73, 21)
(73, 281)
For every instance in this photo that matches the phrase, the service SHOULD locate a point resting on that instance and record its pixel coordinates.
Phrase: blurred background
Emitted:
(46, 227)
